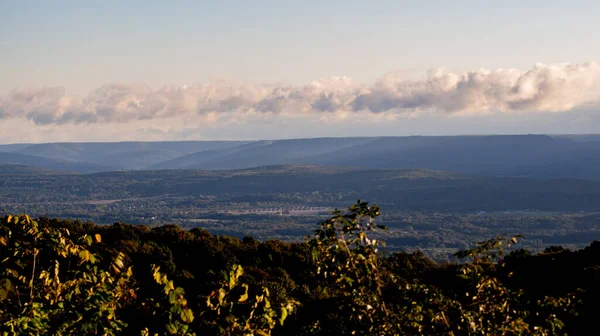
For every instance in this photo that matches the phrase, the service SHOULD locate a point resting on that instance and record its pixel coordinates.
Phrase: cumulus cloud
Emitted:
(548, 88)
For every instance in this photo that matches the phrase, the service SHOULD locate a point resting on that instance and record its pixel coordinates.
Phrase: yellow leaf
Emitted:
(187, 315)
(119, 261)
(283, 315)
(84, 254)
(244, 296)
(98, 238)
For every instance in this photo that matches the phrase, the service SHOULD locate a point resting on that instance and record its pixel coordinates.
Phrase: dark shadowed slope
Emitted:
(13, 147)
(295, 151)
(47, 163)
(135, 159)
(538, 156)
(401, 189)
(200, 159)
(125, 155)
(14, 169)
(514, 155)
(526, 155)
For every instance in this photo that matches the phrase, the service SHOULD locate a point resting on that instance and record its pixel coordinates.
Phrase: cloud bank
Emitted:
(545, 88)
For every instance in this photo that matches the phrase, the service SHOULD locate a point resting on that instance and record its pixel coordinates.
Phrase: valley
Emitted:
(434, 211)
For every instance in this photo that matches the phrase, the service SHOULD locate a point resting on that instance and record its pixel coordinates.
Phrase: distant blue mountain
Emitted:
(12, 147)
(539, 156)
(123, 155)
(277, 152)
(52, 164)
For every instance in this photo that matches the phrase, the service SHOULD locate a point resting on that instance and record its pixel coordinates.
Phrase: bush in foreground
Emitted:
(68, 278)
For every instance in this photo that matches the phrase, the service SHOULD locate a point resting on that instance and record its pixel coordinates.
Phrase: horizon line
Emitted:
(310, 138)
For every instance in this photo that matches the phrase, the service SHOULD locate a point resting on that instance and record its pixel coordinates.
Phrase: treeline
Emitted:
(70, 278)
(400, 190)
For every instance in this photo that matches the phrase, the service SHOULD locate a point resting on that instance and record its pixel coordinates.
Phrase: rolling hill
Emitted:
(52, 164)
(409, 189)
(13, 147)
(539, 156)
(123, 155)
(262, 153)
(523, 155)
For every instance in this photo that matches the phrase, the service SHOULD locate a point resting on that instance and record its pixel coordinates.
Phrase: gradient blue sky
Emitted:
(81, 46)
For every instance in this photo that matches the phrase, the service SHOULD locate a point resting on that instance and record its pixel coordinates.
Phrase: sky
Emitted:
(175, 70)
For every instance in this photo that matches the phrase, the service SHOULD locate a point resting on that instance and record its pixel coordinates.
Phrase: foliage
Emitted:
(68, 278)
(51, 284)
(232, 310)
(179, 315)
(494, 308)
(348, 260)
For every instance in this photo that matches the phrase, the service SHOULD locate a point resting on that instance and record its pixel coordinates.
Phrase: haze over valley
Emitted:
(439, 194)
(537, 156)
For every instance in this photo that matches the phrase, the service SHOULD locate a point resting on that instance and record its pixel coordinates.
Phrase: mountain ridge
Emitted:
(532, 155)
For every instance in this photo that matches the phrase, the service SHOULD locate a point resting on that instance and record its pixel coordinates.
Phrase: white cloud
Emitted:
(546, 88)
(552, 88)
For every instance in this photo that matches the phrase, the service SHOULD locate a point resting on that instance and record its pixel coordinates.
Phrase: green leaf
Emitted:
(172, 298)
(172, 328)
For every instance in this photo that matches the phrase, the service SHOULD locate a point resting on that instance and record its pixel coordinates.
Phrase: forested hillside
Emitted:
(408, 189)
(68, 278)
(435, 211)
